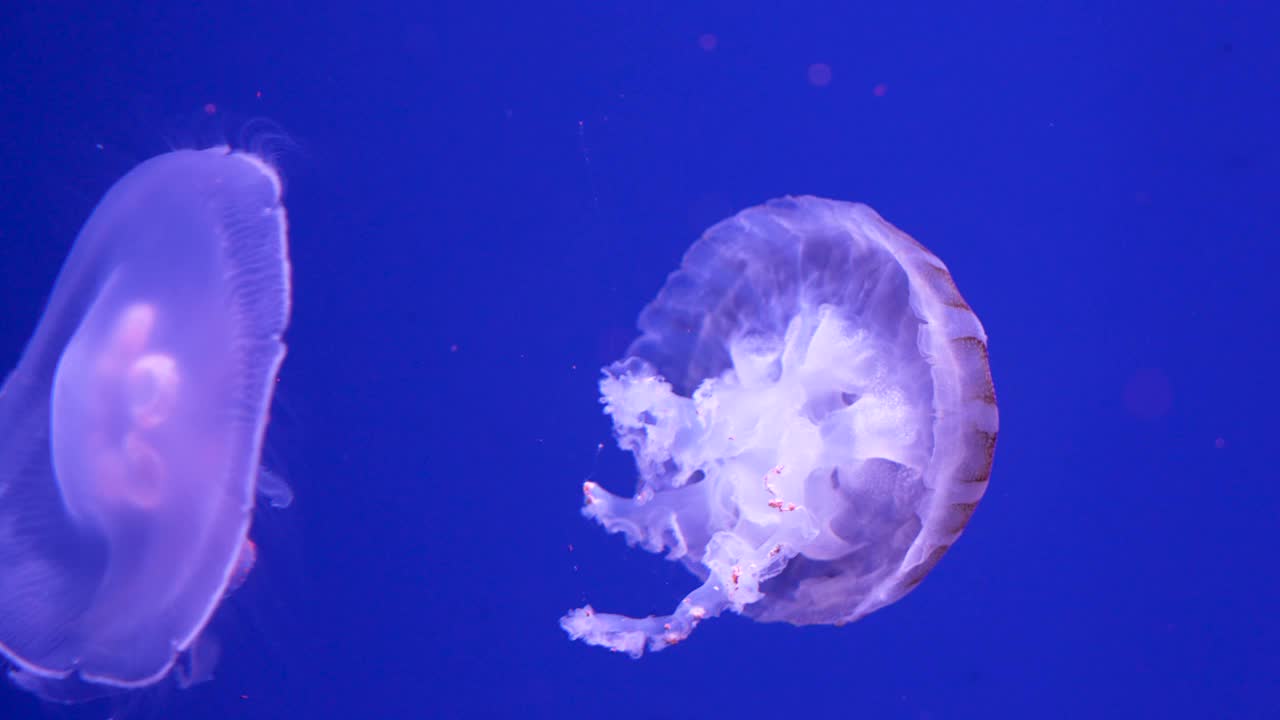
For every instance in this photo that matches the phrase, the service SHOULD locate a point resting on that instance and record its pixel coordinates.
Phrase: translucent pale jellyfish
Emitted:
(131, 428)
(812, 416)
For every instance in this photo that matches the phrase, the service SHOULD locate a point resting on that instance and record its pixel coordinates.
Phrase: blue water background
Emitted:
(483, 196)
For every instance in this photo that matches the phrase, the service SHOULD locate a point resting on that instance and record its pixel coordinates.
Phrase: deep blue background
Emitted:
(483, 197)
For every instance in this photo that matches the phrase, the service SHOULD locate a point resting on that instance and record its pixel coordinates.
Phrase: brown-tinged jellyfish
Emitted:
(811, 412)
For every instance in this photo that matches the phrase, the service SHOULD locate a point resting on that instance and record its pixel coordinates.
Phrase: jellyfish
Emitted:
(132, 425)
(812, 417)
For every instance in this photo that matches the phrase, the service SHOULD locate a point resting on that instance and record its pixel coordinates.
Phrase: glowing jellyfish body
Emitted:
(812, 416)
(131, 428)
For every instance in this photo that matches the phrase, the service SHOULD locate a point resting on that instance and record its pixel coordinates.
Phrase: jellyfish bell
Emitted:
(131, 428)
(813, 421)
